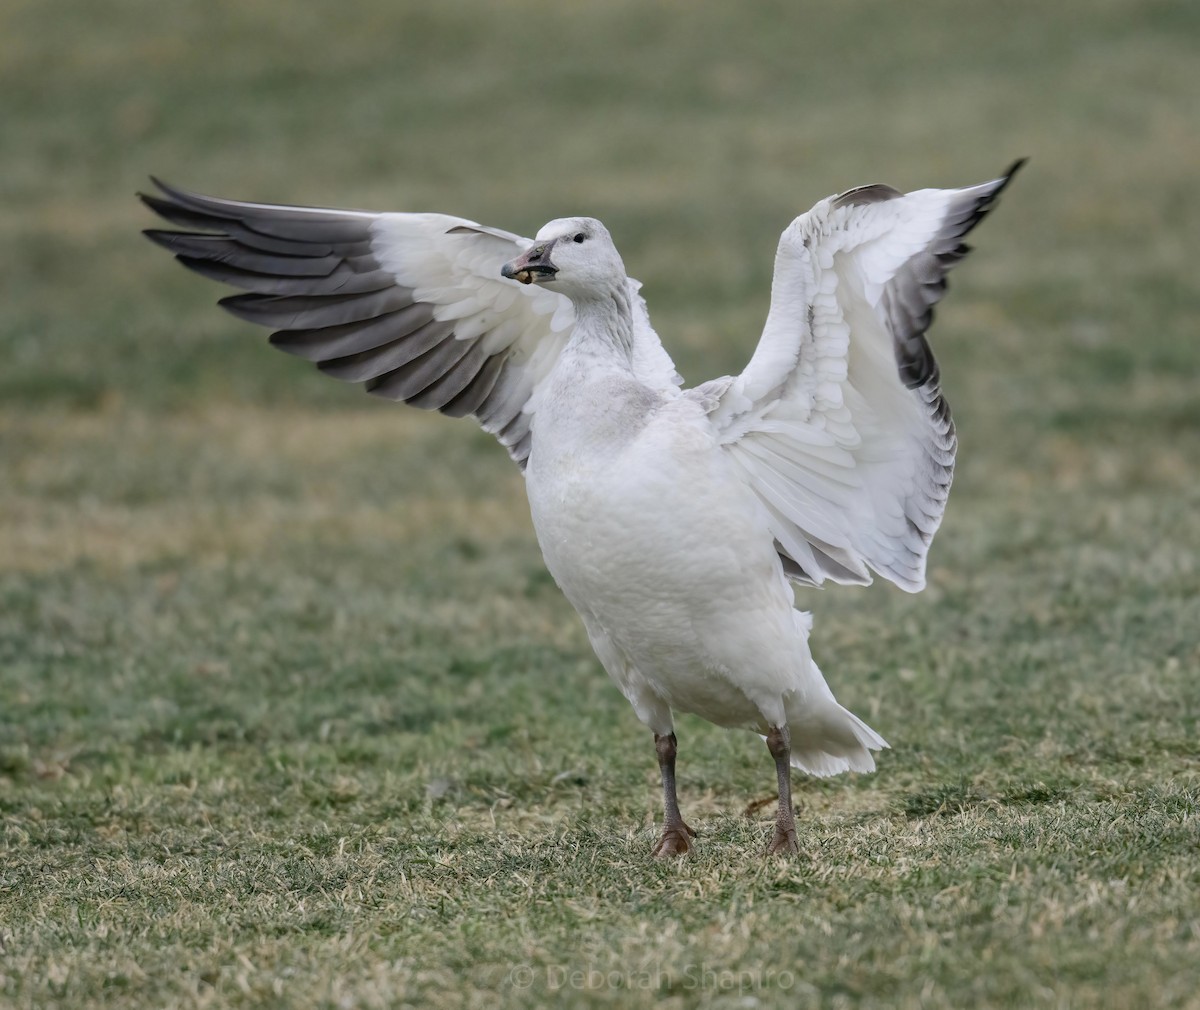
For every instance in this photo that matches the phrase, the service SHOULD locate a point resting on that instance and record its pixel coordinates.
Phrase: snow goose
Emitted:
(675, 521)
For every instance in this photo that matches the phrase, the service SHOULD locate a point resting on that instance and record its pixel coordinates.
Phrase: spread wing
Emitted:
(838, 422)
(411, 305)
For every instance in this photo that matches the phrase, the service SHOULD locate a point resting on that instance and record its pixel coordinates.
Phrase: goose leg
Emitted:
(674, 840)
(779, 744)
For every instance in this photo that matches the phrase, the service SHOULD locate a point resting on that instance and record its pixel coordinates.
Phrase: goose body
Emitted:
(666, 554)
(675, 521)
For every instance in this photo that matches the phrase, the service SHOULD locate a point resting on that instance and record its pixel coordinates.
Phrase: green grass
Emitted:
(290, 712)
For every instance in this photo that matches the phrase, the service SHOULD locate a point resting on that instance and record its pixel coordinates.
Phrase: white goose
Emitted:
(672, 519)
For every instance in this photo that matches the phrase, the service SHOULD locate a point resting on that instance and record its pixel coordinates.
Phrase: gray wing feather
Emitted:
(330, 342)
(186, 217)
(270, 226)
(311, 275)
(452, 376)
(407, 381)
(376, 362)
(313, 311)
(342, 280)
(875, 193)
(223, 249)
(475, 392)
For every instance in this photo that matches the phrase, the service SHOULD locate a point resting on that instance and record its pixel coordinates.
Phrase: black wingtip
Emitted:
(159, 236)
(182, 199)
(174, 192)
(152, 201)
(1013, 169)
(990, 193)
(164, 189)
(163, 206)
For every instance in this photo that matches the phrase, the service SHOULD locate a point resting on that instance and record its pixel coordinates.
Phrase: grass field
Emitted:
(292, 715)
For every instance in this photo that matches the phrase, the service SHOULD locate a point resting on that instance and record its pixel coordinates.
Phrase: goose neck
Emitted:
(604, 325)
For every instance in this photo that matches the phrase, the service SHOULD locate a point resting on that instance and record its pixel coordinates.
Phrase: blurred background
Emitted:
(697, 130)
(209, 552)
(143, 426)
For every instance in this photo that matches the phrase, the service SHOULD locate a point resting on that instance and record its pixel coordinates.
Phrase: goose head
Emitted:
(574, 255)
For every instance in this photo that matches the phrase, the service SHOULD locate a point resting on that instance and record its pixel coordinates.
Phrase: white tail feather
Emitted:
(826, 738)
(833, 741)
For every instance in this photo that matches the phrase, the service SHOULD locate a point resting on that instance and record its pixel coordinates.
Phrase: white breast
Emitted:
(661, 548)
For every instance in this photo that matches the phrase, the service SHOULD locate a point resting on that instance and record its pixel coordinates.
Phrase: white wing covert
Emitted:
(411, 305)
(838, 422)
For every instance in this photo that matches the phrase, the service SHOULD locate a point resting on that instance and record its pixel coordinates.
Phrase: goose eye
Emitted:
(580, 237)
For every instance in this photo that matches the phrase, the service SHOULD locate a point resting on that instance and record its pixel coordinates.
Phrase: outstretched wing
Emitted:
(411, 305)
(838, 422)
